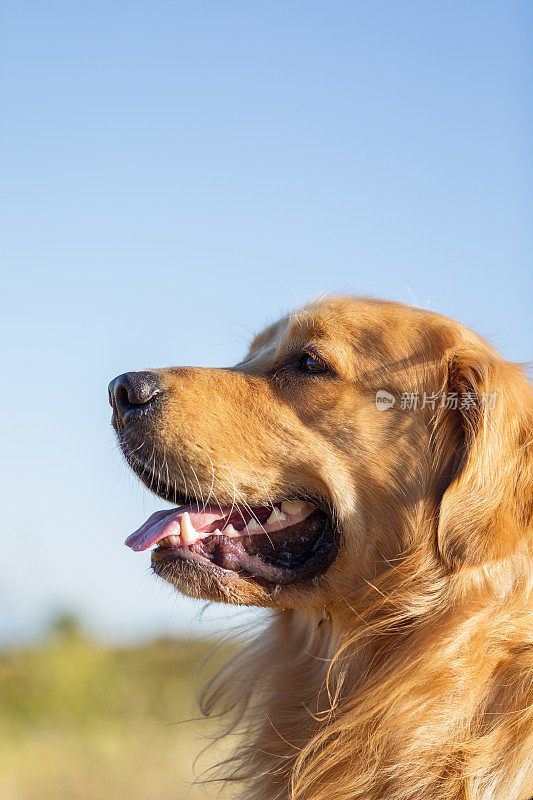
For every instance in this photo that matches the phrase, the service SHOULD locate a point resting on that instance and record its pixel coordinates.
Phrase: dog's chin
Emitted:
(251, 570)
(209, 582)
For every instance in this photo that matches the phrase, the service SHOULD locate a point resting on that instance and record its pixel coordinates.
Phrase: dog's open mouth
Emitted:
(279, 543)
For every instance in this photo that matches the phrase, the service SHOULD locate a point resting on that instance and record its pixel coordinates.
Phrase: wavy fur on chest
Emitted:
(414, 693)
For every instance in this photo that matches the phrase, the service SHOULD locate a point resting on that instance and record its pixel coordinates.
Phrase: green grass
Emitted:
(86, 722)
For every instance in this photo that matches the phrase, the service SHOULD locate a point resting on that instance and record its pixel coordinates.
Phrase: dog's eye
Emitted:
(312, 364)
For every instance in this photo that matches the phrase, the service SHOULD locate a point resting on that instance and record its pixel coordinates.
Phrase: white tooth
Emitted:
(276, 516)
(217, 532)
(229, 530)
(188, 534)
(253, 525)
(293, 506)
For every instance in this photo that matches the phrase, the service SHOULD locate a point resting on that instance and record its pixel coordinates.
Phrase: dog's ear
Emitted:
(487, 508)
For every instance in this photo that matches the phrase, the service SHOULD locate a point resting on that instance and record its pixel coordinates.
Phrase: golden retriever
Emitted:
(366, 473)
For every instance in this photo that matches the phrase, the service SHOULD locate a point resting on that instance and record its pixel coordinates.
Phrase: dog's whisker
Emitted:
(212, 466)
(199, 487)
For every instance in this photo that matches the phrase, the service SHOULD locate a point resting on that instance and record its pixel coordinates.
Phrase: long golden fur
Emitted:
(405, 671)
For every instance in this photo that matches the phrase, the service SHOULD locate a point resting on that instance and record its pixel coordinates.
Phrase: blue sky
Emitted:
(175, 175)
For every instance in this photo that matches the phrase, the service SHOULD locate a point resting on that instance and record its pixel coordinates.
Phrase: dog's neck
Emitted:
(429, 701)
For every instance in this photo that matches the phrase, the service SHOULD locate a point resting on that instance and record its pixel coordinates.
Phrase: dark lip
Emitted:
(289, 556)
(174, 553)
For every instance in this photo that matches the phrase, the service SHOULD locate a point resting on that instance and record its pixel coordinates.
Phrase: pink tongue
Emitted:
(167, 523)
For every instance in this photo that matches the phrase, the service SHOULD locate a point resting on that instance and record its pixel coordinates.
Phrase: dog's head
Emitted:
(353, 432)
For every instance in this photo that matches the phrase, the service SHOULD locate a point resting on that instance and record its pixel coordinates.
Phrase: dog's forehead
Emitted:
(335, 320)
(379, 330)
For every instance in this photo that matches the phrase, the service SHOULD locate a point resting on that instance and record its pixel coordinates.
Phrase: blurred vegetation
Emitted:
(84, 721)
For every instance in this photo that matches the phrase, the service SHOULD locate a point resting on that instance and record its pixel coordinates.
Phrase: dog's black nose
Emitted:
(133, 391)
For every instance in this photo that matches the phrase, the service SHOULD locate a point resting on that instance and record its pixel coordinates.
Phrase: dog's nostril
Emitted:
(123, 398)
(132, 390)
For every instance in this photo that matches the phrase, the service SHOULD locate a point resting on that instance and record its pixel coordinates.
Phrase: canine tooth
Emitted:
(276, 516)
(217, 532)
(229, 530)
(172, 540)
(293, 506)
(188, 533)
(253, 525)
